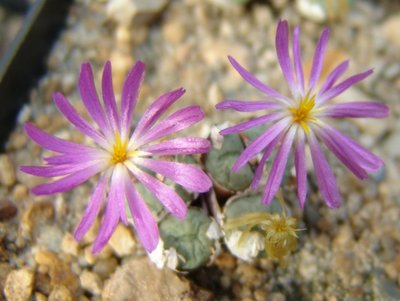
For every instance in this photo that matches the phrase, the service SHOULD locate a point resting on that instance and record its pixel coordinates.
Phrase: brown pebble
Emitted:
(20, 192)
(7, 210)
(40, 297)
(18, 286)
(225, 261)
(59, 271)
(91, 282)
(260, 295)
(69, 245)
(7, 171)
(60, 293)
(105, 267)
(35, 214)
(139, 279)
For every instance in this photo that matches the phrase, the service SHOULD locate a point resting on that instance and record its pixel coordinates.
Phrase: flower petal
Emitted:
(318, 59)
(248, 106)
(278, 167)
(240, 127)
(356, 109)
(77, 158)
(282, 51)
(180, 146)
(117, 190)
(260, 166)
(343, 155)
(69, 181)
(55, 170)
(92, 209)
(145, 224)
(298, 66)
(260, 143)
(53, 143)
(355, 152)
(108, 225)
(333, 77)
(130, 92)
(252, 80)
(301, 169)
(110, 104)
(90, 98)
(189, 176)
(343, 86)
(73, 116)
(174, 123)
(324, 174)
(156, 109)
(166, 195)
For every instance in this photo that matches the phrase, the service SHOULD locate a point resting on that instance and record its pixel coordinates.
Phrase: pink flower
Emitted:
(120, 157)
(304, 117)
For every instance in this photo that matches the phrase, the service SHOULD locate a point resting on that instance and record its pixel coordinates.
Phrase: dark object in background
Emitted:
(18, 6)
(25, 60)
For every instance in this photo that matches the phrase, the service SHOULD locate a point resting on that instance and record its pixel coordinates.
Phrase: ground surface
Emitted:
(351, 253)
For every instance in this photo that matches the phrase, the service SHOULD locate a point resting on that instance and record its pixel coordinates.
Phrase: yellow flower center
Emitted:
(120, 153)
(301, 113)
(281, 237)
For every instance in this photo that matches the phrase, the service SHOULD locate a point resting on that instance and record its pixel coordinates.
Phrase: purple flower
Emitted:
(303, 117)
(120, 157)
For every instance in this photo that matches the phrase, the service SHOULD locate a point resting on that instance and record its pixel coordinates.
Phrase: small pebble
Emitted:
(19, 285)
(91, 282)
(69, 245)
(7, 171)
(7, 210)
(122, 241)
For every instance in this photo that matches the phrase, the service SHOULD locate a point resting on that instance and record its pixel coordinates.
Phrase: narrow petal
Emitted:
(248, 106)
(92, 209)
(298, 66)
(53, 143)
(355, 152)
(108, 225)
(343, 155)
(278, 167)
(77, 158)
(333, 77)
(318, 59)
(356, 109)
(259, 144)
(180, 146)
(156, 109)
(55, 170)
(260, 166)
(282, 51)
(166, 195)
(145, 224)
(174, 123)
(343, 86)
(189, 176)
(301, 169)
(324, 174)
(73, 116)
(69, 181)
(240, 127)
(117, 190)
(130, 92)
(110, 104)
(90, 98)
(252, 80)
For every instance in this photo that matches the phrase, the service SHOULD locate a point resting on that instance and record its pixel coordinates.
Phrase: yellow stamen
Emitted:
(301, 113)
(280, 237)
(120, 153)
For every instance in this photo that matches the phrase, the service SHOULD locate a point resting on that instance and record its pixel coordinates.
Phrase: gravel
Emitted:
(351, 253)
